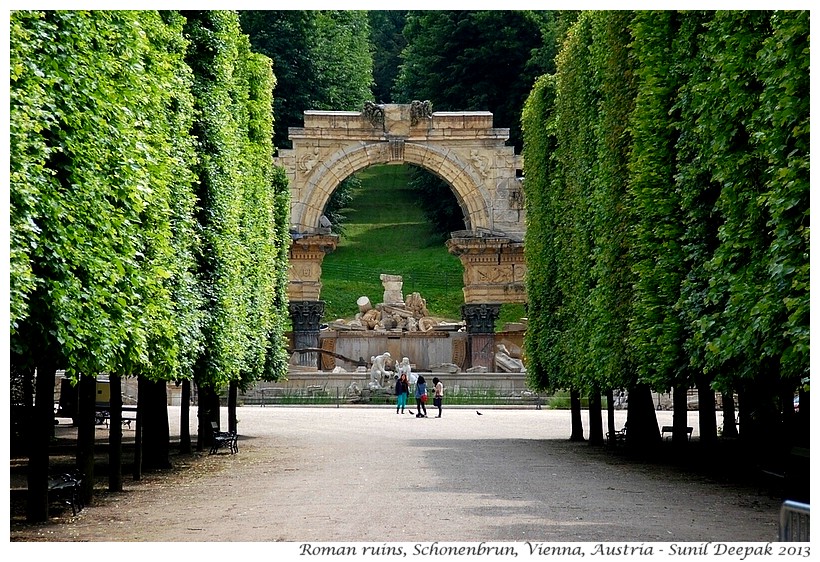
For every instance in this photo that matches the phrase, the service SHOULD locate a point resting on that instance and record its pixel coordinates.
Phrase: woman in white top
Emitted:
(438, 394)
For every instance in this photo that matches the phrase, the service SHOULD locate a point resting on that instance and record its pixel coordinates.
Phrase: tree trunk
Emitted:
(596, 422)
(185, 418)
(115, 435)
(137, 468)
(575, 414)
(803, 420)
(207, 412)
(156, 437)
(86, 431)
(643, 433)
(729, 425)
(232, 396)
(707, 412)
(760, 412)
(610, 413)
(744, 413)
(680, 416)
(22, 414)
(42, 426)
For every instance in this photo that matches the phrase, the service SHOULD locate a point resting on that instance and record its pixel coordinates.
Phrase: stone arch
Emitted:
(461, 176)
(463, 148)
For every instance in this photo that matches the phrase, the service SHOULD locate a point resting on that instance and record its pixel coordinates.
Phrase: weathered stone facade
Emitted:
(463, 148)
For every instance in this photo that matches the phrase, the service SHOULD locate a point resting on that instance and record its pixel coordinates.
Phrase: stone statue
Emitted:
(420, 110)
(404, 368)
(374, 113)
(378, 370)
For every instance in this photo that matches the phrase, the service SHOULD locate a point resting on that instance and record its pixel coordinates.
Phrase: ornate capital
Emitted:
(480, 318)
(306, 315)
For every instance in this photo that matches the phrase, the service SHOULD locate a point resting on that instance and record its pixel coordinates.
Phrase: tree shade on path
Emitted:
(365, 474)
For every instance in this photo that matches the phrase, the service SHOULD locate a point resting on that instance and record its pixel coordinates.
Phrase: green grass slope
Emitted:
(387, 232)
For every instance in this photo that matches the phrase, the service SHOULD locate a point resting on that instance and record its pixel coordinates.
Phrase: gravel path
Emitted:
(369, 475)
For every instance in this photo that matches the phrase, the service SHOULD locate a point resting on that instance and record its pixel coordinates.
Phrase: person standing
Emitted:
(402, 391)
(438, 394)
(421, 397)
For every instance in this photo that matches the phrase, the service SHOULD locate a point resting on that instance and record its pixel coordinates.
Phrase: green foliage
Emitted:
(321, 60)
(387, 44)
(284, 36)
(544, 357)
(29, 99)
(103, 167)
(259, 228)
(698, 192)
(576, 101)
(667, 184)
(114, 267)
(185, 290)
(243, 205)
(758, 272)
(213, 57)
(437, 200)
(333, 48)
(611, 295)
(781, 131)
(343, 60)
(276, 360)
(657, 255)
(471, 60)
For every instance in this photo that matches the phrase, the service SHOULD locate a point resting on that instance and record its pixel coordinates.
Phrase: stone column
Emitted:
(305, 265)
(306, 317)
(480, 319)
(392, 289)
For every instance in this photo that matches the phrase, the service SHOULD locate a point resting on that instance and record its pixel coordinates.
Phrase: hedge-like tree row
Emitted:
(148, 225)
(667, 189)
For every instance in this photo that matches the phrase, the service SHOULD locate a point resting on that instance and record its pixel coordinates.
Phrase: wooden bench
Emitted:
(223, 439)
(66, 488)
(669, 429)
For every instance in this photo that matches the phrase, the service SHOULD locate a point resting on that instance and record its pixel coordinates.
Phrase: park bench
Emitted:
(223, 439)
(65, 487)
(103, 415)
(668, 429)
(616, 436)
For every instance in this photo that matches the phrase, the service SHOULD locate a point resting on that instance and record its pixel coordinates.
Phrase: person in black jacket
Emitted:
(402, 391)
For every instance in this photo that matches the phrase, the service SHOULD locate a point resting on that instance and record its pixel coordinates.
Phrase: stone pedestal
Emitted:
(480, 319)
(306, 317)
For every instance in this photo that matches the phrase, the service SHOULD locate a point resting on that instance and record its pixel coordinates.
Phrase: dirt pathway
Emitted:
(368, 474)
